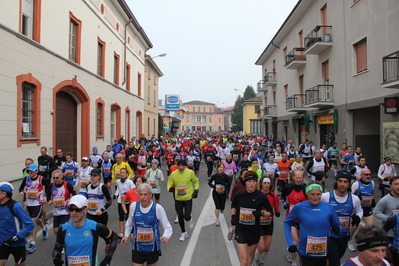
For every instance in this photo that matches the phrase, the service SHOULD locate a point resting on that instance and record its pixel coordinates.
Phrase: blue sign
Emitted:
(172, 106)
(172, 102)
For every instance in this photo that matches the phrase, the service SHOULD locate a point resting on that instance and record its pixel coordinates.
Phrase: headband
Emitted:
(372, 242)
(314, 186)
(266, 179)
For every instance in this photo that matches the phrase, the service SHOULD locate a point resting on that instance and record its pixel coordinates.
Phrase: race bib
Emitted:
(83, 184)
(219, 188)
(366, 200)
(59, 202)
(42, 168)
(283, 174)
(107, 169)
(190, 163)
(265, 220)
(69, 172)
(32, 194)
(181, 190)
(316, 246)
(118, 174)
(79, 260)
(153, 184)
(209, 159)
(122, 197)
(345, 222)
(145, 236)
(246, 216)
(235, 157)
(148, 165)
(92, 204)
(395, 212)
(229, 172)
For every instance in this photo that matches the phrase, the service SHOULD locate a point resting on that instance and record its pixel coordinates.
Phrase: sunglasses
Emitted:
(71, 209)
(55, 178)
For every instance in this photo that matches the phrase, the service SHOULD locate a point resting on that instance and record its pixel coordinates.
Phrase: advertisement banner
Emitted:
(166, 122)
(390, 141)
(325, 119)
(172, 102)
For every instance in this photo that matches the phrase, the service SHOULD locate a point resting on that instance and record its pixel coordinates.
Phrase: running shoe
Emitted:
(106, 249)
(183, 236)
(293, 263)
(31, 248)
(191, 223)
(289, 257)
(45, 232)
(351, 247)
(230, 234)
(217, 223)
(177, 219)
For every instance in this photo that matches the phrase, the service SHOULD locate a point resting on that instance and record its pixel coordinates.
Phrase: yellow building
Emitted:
(251, 112)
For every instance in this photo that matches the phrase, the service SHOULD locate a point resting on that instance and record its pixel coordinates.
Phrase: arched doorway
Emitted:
(66, 123)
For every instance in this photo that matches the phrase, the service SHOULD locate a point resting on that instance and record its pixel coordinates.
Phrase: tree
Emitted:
(237, 115)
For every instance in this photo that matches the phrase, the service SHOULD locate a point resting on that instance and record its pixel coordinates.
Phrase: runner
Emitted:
(80, 237)
(170, 158)
(284, 166)
(95, 158)
(266, 223)
(385, 174)
(132, 194)
(245, 163)
(83, 178)
(190, 160)
(70, 169)
(116, 170)
(349, 211)
(372, 245)
(59, 158)
(210, 157)
(245, 215)
(348, 160)
(61, 192)
(106, 170)
(230, 169)
(141, 161)
(124, 185)
(197, 162)
(312, 245)
(219, 182)
(318, 163)
(186, 188)
(16, 226)
(144, 219)
(364, 189)
(360, 166)
(334, 154)
(154, 175)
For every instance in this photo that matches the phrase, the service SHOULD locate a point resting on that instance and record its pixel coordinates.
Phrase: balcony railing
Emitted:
(295, 103)
(390, 70)
(270, 79)
(261, 85)
(295, 58)
(320, 96)
(270, 110)
(318, 40)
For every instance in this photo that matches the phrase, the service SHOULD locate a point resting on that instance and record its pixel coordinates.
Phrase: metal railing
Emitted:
(261, 83)
(270, 110)
(390, 67)
(295, 101)
(270, 77)
(295, 54)
(318, 34)
(319, 93)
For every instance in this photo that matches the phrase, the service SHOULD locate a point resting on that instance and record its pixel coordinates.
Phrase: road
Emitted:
(206, 244)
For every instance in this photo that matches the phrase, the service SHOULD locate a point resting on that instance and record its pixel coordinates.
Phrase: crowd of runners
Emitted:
(258, 176)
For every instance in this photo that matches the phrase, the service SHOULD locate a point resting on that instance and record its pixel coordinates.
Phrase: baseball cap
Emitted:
(6, 187)
(32, 167)
(155, 161)
(79, 201)
(115, 139)
(387, 159)
(95, 148)
(95, 171)
(85, 159)
(344, 174)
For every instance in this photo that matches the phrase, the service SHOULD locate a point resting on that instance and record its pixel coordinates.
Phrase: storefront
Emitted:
(326, 125)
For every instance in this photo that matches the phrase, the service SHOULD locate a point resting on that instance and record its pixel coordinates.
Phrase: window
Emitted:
(220, 120)
(204, 110)
(75, 30)
(127, 77)
(198, 119)
(300, 36)
(139, 84)
(115, 123)
(30, 19)
(325, 72)
(203, 119)
(220, 128)
(149, 73)
(187, 119)
(257, 109)
(210, 119)
(155, 98)
(127, 123)
(28, 109)
(286, 90)
(100, 118)
(149, 95)
(155, 80)
(210, 109)
(100, 58)
(199, 109)
(148, 126)
(210, 128)
(361, 55)
(116, 68)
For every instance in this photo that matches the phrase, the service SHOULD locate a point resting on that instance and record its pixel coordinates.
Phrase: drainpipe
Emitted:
(124, 52)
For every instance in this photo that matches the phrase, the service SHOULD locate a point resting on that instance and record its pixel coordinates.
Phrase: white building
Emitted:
(322, 73)
(72, 77)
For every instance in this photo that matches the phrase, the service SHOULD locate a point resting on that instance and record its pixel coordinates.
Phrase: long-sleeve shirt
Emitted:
(386, 207)
(186, 182)
(387, 172)
(116, 168)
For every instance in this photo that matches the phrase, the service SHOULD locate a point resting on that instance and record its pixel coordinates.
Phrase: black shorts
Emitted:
(139, 257)
(367, 211)
(19, 253)
(332, 162)
(35, 212)
(267, 230)
(60, 219)
(313, 261)
(156, 196)
(250, 240)
(196, 166)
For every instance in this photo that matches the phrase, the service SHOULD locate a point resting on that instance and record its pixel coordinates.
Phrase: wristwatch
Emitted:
(14, 239)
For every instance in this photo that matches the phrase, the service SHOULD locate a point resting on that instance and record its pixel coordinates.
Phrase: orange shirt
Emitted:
(131, 196)
(284, 167)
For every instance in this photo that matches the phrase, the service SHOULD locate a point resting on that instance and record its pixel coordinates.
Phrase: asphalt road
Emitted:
(206, 244)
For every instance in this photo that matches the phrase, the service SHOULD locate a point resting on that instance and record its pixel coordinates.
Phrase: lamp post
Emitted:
(160, 55)
(239, 91)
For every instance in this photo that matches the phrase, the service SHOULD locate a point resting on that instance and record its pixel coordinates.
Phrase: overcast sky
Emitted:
(211, 45)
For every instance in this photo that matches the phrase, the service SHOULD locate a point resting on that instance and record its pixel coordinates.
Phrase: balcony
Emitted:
(270, 79)
(390, 71)
(295, 59)
(295, 103)
(261, 85)
(318, 40)
(320, 96)
(270, 111)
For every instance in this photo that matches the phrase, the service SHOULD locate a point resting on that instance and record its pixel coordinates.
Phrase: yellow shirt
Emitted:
(184, 182)
(116, 171)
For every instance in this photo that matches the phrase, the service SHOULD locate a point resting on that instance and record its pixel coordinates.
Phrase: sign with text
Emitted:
(391, 105)
(172, 102)
(325, 119)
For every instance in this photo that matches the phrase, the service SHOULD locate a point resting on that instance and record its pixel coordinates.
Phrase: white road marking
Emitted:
(202, 221)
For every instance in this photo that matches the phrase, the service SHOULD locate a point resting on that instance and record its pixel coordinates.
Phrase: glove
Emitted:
(172, 189)
(277, 214)
(106, 261)
(285, 205)
(373, 203)
(292, 249)
(11, 241)
(257, 214)
(57, 260)
(195, 194)
(126, 216)
(355, 220)
(234, 219)
(335, 229)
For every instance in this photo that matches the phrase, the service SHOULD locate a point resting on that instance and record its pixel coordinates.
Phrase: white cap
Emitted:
(79, 201)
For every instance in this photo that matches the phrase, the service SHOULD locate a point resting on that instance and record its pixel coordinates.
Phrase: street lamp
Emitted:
(239, 91)
(160, 55)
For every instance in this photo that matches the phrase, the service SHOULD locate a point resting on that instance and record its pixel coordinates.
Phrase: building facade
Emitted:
(251, 112)
(228, 124)
(151, 83)
(323, 77)
(203, 116)
(71, 79)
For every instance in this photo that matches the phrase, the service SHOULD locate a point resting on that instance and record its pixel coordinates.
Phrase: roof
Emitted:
(228, 109)
(255, 99)
(197, 103)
